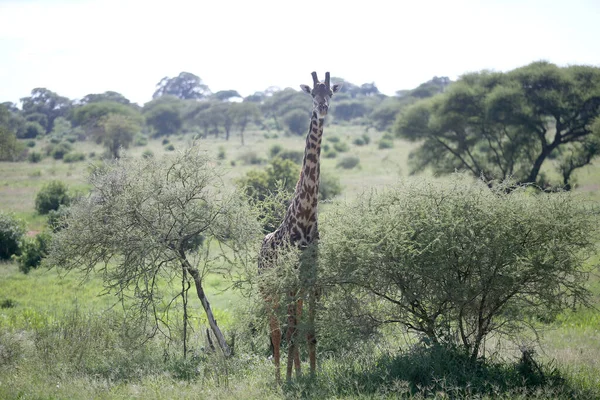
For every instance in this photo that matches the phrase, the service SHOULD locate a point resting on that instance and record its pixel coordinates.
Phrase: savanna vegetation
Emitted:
(129, 237)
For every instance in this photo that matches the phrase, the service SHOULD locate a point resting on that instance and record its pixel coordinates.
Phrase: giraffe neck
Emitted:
(301, 217)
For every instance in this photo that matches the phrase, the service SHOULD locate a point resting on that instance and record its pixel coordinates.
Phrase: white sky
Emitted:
(90, 46)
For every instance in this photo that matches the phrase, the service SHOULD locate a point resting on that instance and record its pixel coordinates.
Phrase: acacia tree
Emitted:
(118, 132)
(149, 225)
(501, 125)
(456, 261)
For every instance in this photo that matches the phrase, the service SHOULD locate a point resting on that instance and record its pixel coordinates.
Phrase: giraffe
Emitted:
(299, 229)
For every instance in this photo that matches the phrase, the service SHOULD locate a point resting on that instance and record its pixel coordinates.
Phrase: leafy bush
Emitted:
(341, 147)
(221, 153)
(12, 232)
(333, 139)
(366, 138)
(292, 155)
(73, 157)
(32, 130)
(31, 143)
(52, 196)
(348, 162)
(330, 154)
(140, 140)
(58, 150)
(34, 157)
(359, 141)
(297, 121)
(33, 251)
(457, 261)
(56, 218)
(329, 187)
(275, 149)
(148, 153)
(170, 147)
(385, 144)
(250, 158)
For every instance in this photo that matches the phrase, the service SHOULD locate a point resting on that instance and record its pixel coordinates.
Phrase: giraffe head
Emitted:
(321, 93)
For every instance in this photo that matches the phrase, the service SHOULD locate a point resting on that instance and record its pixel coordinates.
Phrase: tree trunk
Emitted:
(206, 305)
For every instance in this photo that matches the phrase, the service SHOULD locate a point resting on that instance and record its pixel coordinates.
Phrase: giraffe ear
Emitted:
(305, 88)
(336, 88)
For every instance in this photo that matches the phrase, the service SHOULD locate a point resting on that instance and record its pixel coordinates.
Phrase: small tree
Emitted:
(118, 132)
(51, 197)
(456, 261)
(152, 224)
(12, 232)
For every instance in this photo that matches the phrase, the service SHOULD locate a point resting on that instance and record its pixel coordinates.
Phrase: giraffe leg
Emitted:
(291, 339)
(296, 346)
(311, 335)
(276, 342)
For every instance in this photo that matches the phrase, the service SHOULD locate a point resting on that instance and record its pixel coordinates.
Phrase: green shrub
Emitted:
(366, 138)
(250, 158)
(170, 147)
(385, 144)
(333, 139)
(275, 149)
(292, 155)
(492, 259)
(329, 187)
(55, 218)
(348, 162)
(73, 157)
(33, 251)
(330, 154)
(165, 141)
(31, 143)
(34, 157)
(51, 196)
(359, 141)
(59, 150)
(32, 130)
(341, 147)
(147, 153)
(71, 138)
(12, 231)
(297, 121)
(221, 153)
(140, 140)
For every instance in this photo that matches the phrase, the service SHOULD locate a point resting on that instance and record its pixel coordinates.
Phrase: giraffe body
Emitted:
(300, 228)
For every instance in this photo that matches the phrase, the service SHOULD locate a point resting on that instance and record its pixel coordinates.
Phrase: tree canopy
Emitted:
(184, 86)
(507, 125)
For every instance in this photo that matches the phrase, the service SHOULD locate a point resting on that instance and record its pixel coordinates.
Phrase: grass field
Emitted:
(61, 339)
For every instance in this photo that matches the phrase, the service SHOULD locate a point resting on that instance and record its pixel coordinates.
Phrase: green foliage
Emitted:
(170, 147)
(348, 162)
(51, 197)
(33, 251)
(330, 154)
(185, 86)
(12, 231)
(118, 131)
(58, 151)
(10, 147)
(457, 262)
(385, 144)
(341, 147)
(350, 109)
(140, 226)
(221, 155)
(140, 140)
(359, 141)
(47, 103)
(91, 116)
(148, 153)
(329, 187)
(501, 125)
(31, 143)
(34, 157)
(164, 119)
(250, 158)
(33, 130)
(74, 157)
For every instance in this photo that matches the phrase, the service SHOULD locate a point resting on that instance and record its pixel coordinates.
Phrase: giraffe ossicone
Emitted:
(299, 228)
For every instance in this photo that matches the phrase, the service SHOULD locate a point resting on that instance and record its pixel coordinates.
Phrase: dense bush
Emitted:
(329, 187)
(385, 144)
(148, 153)
(348, 162)
(74, 157)
(33, 251)
(456, 261)
(296, 121)
(52, 196)
(34, 157)
(341, 147)
(32, 130)
(12, 232)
